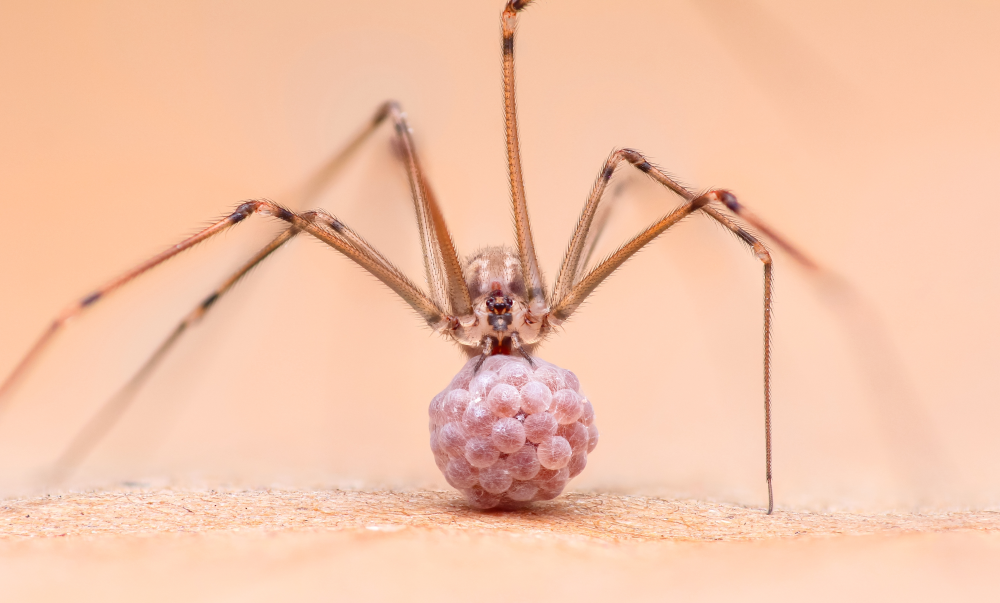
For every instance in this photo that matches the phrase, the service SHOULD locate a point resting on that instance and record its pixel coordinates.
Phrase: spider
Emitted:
(494, 304)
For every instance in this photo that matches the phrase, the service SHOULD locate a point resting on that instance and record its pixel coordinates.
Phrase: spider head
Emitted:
(496, 288)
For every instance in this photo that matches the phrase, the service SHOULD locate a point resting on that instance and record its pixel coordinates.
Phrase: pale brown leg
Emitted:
(445, 277)
(487, 345)
(105, 419)
(515, 340)
(762, 254)
(319, 224)
(538, 300)
(596, 233)
(563, 308)
(443, 267)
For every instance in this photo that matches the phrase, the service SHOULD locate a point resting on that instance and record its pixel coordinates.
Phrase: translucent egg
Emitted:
(567, 406)
(496, 479)
(514, 373)
(480, 452)
(508, 435)
(482, 383)
(554, 452)
(593, 437)
(454, 405)
(504, 400)
(551, 377)
(523, 464)
(539, 427)
(451, 439)
(478, 419)
(522, 491)
(576, 434)
(461, 474)
(535, 398)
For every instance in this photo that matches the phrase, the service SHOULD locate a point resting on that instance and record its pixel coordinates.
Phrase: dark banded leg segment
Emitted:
(318, 224)
(111, 412)
(73, 310)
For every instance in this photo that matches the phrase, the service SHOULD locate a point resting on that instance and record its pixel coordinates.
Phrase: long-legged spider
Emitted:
(495, 303)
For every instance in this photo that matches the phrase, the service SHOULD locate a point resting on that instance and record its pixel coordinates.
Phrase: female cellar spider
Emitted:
(495, 305)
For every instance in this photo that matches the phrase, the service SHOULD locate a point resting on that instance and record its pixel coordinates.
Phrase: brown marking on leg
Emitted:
(314, 223)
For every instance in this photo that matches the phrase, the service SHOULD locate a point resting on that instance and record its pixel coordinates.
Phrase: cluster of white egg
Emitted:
(511, 433)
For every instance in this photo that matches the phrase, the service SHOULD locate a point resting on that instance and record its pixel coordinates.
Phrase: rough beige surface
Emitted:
(600, 517)
(266, 545)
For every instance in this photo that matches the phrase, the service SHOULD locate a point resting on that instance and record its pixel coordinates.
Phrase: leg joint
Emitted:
(728, 199)
(700, 202)
(518, 5)
(389, 107)
(243, 211)
(637, 159)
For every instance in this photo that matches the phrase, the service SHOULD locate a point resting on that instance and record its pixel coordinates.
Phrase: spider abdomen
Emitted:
(511, 434)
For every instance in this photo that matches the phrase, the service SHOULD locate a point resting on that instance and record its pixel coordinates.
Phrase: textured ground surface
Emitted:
(597, 517)
(171, 544)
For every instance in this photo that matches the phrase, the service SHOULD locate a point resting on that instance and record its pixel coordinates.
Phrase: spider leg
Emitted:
(516, 342)
(108, 415)
(570, 289)
(314, 184)
(579, 291)
(442, 265)
(595, 234)
(487, 345)
(762, 254)
(537, 297)
(564, 306)
(319, 224)
(445, 276)
(573, 284)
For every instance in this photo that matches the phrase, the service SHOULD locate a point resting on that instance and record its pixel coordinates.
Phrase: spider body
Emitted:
(495, 306)
(502, 314)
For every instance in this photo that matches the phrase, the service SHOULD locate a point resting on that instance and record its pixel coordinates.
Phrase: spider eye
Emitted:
(498, 304)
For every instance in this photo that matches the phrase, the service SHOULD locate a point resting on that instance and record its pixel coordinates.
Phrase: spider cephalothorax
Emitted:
(503, 321)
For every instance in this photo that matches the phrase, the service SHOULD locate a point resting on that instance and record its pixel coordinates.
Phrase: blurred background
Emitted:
(866, 132)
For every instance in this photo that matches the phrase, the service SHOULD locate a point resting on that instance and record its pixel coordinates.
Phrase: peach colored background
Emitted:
(867, 132)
